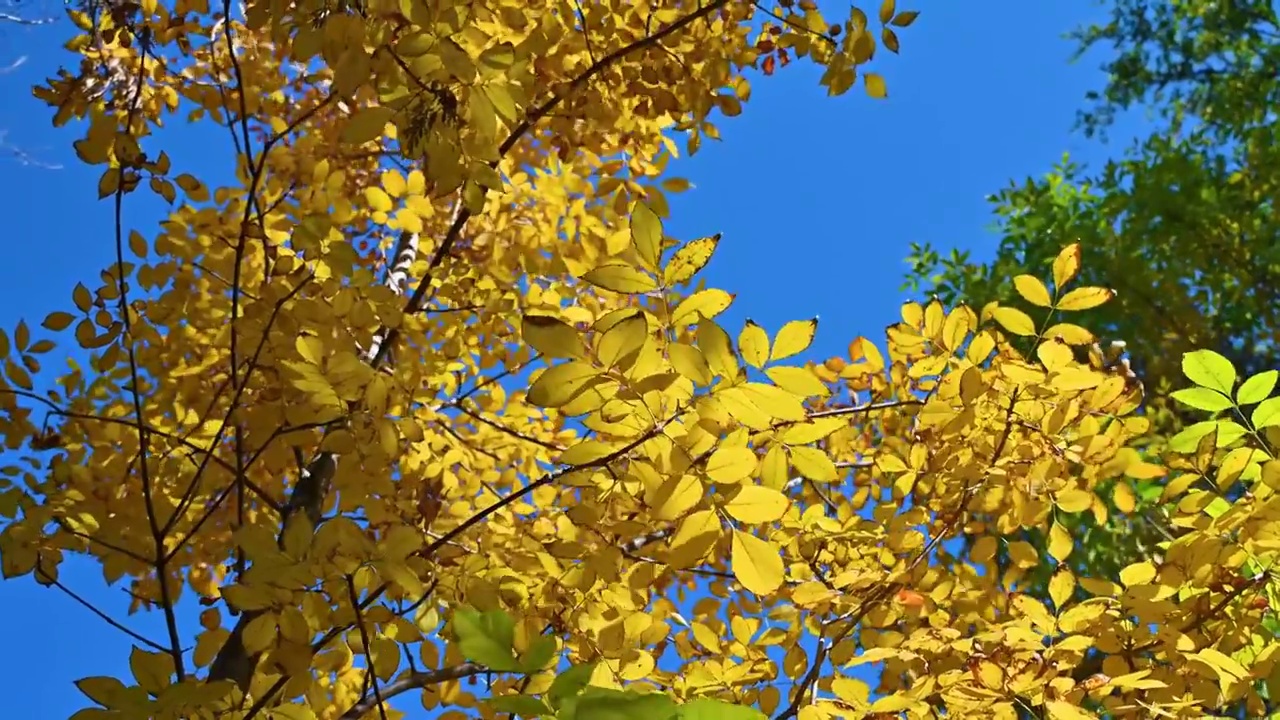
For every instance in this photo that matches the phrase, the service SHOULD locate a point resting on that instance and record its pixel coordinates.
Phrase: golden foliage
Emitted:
(428, 384)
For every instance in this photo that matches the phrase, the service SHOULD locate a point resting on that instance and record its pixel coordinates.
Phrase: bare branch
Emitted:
(105, 617)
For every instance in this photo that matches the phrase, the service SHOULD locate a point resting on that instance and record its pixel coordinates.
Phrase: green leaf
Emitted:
(1217, 508)
(1150, 490)
(1185, 441)
(1257, 388)
(1267, 414)
(597, 703)
(540, 652)
(1207, 368)
(526, 706)
(1202, 398)
(1228, 432)
(487, 638)
(570, 683)
(712, 709)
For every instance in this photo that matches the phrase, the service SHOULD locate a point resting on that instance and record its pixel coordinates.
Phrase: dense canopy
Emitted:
(426, 408)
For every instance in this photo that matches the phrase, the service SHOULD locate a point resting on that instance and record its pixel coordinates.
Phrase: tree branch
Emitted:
(414, 681)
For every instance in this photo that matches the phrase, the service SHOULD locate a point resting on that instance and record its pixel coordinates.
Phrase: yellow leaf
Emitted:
(689, 362)
(743, 410)
(1028, 607)
(137, 244)
(192, 186)
(587, 451)
(310, 347)
(1066, 265)
(774, 467)
(798, 381)
(260, 633)
(757, 504)
(1073, 379)
(621, 278)
(812, 431)
(814, 464)
(773, 400)
(1074, 500)
(714, 343)
(497, 59)
(702, 304)
(106, 691)
(551, 337)
(874, 83)
(646, 234)
(813, 712)
(1060, 542)
(706, 636)
(378, 199)
(892, 704)
(812, 593)
(366, 124)
(558, 385)
(400, 542)
(905, 18)
(163, 188)
(756, 563)
(753, 344)
(622, 340)
(795, 337)
(393, 183)
(1123, 497)
(1141, 573)
(689, 260)
(959, 323)
(1085, 298)
(353, 69)
(862, 349)
(731, 464)
(695, 537)
(58, 321)
(1014, 320)
(501, 99)
(887, 8)
(109, 182)
(852, 691)
(1069, 334)
(386, 656)
(1061, 586)
(890, 463)
(1063, 710)
(152, 670)
(1137, 681)
(1221, 663)
(676, 496)
(291, 712)
(1032, 290)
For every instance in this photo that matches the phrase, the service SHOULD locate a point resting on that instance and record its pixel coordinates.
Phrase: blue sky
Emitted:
(818, 199)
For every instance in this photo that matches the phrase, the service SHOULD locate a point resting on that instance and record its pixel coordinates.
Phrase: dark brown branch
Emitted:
(105, 617)
(372, 674)
(160, 561)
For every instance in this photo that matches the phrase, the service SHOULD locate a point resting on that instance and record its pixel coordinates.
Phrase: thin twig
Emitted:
(368, 652)
(105, 617)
